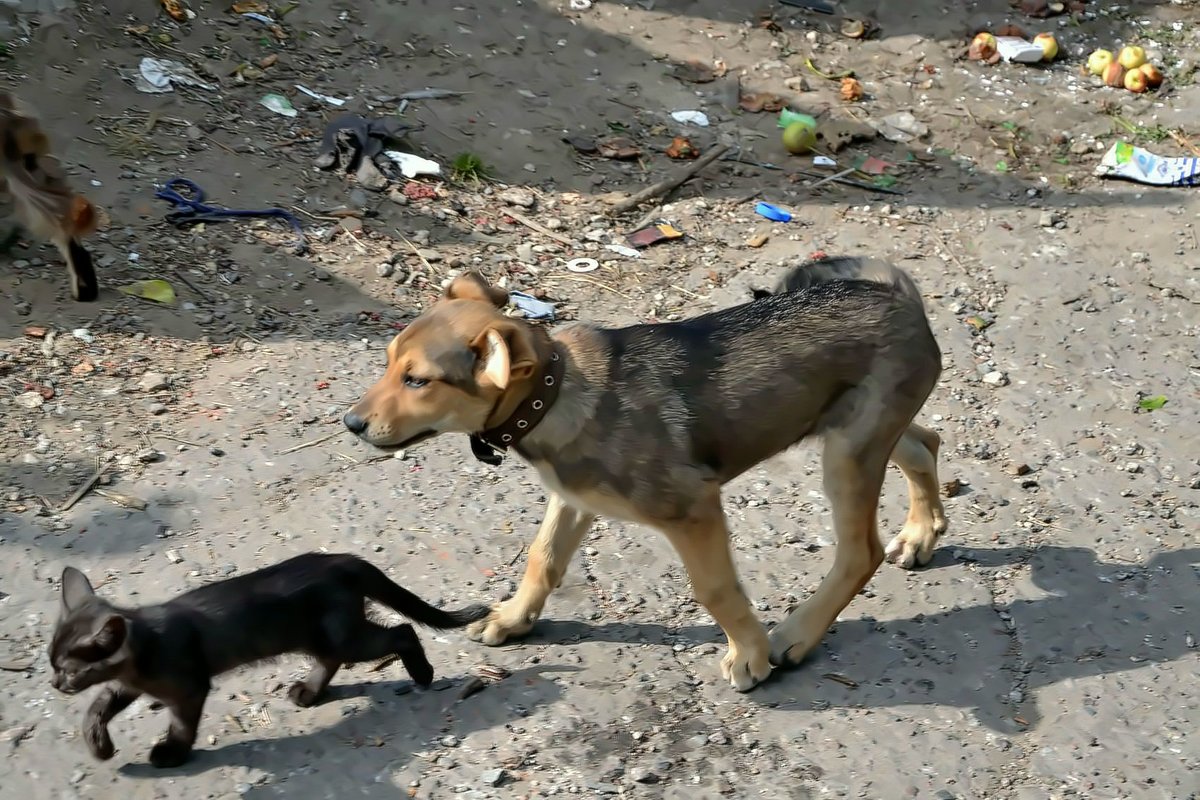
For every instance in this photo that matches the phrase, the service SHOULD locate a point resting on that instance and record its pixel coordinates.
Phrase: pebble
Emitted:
(153, 382)
(432, 256)
(30, 400)
(174, 557)
(216, 451)
(516, 196)
(156, 408)
(385, 270)
(525, 252)
(350, 224)
(644, 775)
(149, 455)
(995, 378)
(494, 777)
(1048, 219)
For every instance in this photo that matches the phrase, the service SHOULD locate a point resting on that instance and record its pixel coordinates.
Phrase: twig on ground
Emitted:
(664, 186)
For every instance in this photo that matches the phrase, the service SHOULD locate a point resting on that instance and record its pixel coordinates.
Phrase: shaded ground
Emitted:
(1049, 651)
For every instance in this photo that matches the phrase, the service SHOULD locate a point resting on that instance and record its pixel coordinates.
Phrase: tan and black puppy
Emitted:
(646, 423)
(34, 190)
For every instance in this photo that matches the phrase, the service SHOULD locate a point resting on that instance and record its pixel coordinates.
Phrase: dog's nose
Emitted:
(354, 422)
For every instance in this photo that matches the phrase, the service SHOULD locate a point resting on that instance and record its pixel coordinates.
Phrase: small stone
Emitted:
(718, 738)
(644, 775)
(494, 777)
(995, 378)
(149, 456)
(432, 256)
(385, 270)
(525, 252)
(530, 167)
(174, 557)
(216, 451)
(450, 741)
(350, 224)
(1047, 219)
(516, 196)
(153, 382)
(30, 400)
(156, 408)
(1018, 470)
(553, 223)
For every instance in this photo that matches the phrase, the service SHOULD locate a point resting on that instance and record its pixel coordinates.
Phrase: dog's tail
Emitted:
(846, 268)
(42, 201)
(377, 586)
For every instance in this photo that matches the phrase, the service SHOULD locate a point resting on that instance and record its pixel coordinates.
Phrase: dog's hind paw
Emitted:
(505, 622)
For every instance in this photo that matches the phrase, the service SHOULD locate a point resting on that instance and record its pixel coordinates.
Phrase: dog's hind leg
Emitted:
(559, 536)
(916, 455)
(854, 463)
(702, 542)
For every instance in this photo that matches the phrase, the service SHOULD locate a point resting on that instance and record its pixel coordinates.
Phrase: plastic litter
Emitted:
(160, 75)
(155, 290)
(533, 308)
(411, 166)
(333, 101)
(583, 265)
(279, 104)
(580, 5)
(1123, 160)
(697, 118)
(1015, 49)
(774, 213)
(901, 127)
(823, 161)
(621, 249)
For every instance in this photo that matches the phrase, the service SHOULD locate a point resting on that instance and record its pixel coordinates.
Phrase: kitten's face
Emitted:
(90, 639)
(88, 648)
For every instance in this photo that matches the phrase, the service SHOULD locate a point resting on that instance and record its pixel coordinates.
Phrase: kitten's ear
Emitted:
(110, 632)
(75, 589)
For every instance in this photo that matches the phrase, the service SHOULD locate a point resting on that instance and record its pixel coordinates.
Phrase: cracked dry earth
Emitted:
(1047, 652)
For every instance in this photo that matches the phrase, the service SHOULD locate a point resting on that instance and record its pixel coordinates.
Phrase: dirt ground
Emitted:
(1049, 651)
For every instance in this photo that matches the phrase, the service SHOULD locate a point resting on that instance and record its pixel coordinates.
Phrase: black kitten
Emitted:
(312, 604)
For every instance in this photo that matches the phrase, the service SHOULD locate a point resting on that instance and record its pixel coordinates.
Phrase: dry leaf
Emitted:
(618, 147)
(694, 72)
(852, 90)
(175, 9)
(681, 147)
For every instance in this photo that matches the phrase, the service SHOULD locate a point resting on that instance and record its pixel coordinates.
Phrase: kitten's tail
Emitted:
(377, 586)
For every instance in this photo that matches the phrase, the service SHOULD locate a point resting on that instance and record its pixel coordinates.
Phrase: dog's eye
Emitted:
(414, 383)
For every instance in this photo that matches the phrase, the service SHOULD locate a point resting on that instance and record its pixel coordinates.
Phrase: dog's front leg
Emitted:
(703, 544)
(558, 537)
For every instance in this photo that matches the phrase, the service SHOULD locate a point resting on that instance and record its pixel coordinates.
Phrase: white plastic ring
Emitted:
(581, 5)
(583, 265)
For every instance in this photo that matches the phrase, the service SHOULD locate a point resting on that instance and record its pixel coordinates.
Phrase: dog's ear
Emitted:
(506, 353)
(75, 589)
(472, 286)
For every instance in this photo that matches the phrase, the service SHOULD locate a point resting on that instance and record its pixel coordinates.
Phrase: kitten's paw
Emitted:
(301, 695)
(170, 753)
(99, 743)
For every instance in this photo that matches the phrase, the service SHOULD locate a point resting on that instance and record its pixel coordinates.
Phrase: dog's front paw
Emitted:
(301, 695)
(746, 666)
(506, 621)
(914, 545)
(170, 753)
(99, 743)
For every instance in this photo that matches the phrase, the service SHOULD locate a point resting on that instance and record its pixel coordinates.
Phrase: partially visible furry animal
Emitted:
(312, 604)
(34, 190)
(647, 423)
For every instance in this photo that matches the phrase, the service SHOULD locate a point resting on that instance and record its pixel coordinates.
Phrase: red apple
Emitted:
(1154, 76)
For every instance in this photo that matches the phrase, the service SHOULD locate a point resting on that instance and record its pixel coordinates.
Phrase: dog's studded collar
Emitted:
(489, 446)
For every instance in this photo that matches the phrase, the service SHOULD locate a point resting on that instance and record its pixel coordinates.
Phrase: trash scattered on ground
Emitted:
(176, 11)
(412, 165)
(659, 232)
(158, 291)
(755, 102)
(355, 144)
(160, 75)
(854, 28)
(682, 147)
(800, 136)
(771, 212)
(1152, 403)
(333, 101)
(852, 90)
(829, 76)
(1123, 160)
(787, 117)
(621, 249)
(1018, 51)
(583, 265)
(697, 118)
(263, 18)
(83, 335)
(820, 6)
(278, 104)
(619, 148)
(823, 161)
(191, 209)
(901, 127)
(533, 308)
(580, 5)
